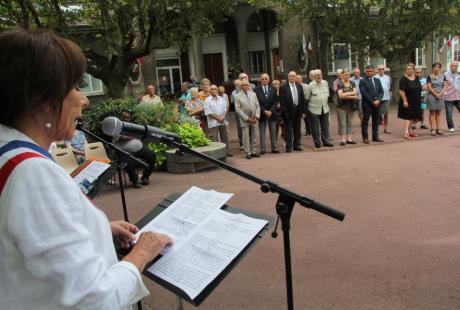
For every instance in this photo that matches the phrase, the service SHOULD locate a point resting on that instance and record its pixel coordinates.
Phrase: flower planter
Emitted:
(186, 163)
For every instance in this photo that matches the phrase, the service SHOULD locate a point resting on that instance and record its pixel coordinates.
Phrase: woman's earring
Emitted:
(48, 125)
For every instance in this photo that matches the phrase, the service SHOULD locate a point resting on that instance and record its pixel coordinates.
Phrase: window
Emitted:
(420, 56)
(91, 86)
(257, 62)
(456, 55)
(169, 62)
(354, 59)
(341, 56)
(375, 59)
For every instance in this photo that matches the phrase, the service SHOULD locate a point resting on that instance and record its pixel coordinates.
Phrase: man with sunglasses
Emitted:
(385, 80)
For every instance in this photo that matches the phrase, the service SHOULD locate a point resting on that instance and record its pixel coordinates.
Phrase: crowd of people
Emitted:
(283, 104)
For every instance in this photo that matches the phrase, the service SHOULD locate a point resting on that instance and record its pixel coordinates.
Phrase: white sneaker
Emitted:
(452, 130)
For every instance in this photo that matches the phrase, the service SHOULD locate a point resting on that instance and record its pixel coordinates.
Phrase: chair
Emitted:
(96, 151)
(64, 157)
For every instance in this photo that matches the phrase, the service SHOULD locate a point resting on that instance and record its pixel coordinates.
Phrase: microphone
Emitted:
(112, 126)
(78, 124)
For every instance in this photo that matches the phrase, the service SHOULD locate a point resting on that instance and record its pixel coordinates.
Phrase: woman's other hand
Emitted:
(148, 246)
(123, 233)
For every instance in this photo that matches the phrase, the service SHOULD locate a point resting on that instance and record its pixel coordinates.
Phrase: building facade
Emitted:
(252, 41)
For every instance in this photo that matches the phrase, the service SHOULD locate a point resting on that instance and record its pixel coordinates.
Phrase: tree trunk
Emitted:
(397, 71)
(116, 86)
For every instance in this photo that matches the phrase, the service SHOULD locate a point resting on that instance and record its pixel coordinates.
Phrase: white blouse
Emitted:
(56, 247)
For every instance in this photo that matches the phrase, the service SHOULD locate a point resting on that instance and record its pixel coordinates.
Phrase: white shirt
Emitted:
(386, 85)
(56, 247)
(318, 93)
(146, 99)
(357, 80)
(218, 106)
(295, 95)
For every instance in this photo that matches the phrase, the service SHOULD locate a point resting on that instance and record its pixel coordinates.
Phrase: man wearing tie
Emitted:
(247, 107)
(266, 96)
(292, 103)
(372, 94)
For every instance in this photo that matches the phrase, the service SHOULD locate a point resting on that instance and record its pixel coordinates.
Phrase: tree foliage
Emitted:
(394, 28)
(114, 33)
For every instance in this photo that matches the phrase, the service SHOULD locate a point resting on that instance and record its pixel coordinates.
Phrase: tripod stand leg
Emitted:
(284, 208)
(122, 193)
(179, 303)
(287, 265)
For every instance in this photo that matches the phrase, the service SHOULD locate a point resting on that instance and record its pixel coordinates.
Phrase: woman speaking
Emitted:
(56, 247)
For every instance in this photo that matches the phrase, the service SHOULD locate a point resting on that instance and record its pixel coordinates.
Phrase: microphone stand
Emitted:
(121, 163)
(284, 205)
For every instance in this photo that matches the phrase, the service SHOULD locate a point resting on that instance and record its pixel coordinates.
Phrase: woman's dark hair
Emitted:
(37, 68)
(436, 64)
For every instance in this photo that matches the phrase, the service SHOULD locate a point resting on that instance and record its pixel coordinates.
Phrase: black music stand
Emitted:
(160, 207)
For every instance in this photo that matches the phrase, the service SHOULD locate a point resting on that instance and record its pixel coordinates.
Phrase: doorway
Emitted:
(169, 76)
(276, 63)
(214, 67)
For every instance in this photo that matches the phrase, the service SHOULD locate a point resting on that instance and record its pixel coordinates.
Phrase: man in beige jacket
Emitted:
(248, 109)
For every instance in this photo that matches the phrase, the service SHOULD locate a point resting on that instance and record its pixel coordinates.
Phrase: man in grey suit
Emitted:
(247, 107)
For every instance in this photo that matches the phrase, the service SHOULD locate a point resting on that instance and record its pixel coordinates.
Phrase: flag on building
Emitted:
(302, 53)
(309, 47)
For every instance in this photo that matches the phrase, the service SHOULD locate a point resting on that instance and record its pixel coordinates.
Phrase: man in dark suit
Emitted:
(266, 96)
(372, 93)
(292, 103)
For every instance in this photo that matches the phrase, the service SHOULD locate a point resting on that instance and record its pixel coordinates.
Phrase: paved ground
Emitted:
(398, 248)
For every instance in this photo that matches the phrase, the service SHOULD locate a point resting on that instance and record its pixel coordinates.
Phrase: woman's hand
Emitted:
(405, 104)
(148, 246)
(123, 233)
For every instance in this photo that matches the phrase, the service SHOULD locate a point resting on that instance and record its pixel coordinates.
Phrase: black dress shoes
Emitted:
(298, 148)
(255, 155)
(328, 144)
(377, 140)
(275, 151)
(248, 157)
(136, 184)
(288, 150)
(145, 181)
(351, 142)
